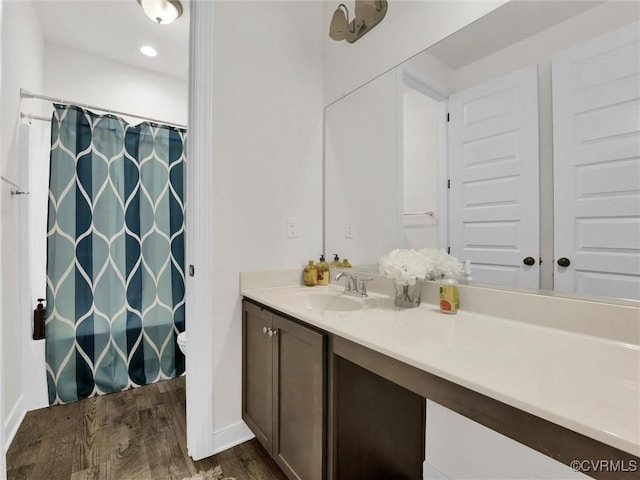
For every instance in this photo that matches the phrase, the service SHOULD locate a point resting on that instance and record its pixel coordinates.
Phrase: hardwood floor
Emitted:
(137, 434)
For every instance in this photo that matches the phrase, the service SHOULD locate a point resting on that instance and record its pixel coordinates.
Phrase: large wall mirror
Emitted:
(515, 142)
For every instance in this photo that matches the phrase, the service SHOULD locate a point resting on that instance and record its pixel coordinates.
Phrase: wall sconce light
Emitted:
(368, 14)
(161, 11)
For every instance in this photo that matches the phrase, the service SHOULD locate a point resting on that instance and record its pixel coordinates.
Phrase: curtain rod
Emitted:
(30, 117)
(27, 94)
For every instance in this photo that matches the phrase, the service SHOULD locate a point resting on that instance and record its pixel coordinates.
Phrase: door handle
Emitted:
(529, 261)
(564, 262)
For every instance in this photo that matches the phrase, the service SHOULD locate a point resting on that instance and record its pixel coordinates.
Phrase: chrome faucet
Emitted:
(354, 286)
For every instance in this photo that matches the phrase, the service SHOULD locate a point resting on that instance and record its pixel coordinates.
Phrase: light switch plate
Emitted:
(349, 230)
(292, 227)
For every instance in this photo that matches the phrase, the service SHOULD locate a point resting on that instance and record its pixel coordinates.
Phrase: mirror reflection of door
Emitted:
(596, 130)
(493, 171)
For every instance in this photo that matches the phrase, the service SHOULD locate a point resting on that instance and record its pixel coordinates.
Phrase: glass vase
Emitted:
(408, 295)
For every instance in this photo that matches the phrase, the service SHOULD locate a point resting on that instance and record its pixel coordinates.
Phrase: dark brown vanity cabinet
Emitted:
(379, 426)
(284, 390)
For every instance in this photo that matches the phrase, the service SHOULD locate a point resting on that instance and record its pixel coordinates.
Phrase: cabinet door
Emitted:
(299, 400)
(257, 378)
(378, 426)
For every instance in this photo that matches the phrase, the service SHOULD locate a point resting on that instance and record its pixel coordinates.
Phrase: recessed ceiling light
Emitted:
(148, 51)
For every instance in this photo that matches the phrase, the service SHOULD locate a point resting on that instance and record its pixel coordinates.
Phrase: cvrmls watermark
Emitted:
(586, 466)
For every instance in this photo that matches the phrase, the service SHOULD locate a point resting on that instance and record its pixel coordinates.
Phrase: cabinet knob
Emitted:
(529, 261)
(270, 332)
(564, 262)
(264, 330)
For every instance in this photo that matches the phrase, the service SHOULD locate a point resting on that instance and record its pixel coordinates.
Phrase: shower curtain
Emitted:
(115, 254)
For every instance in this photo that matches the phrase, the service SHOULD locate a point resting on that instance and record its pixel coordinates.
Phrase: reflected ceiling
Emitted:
(515, 21)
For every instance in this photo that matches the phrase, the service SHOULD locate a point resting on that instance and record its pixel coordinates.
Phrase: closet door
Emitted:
(596, 156)
(493, 172)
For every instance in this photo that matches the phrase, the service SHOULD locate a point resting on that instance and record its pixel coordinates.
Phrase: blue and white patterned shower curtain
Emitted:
(115, 254)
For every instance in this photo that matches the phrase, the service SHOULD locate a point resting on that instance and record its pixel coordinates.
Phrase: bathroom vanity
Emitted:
(287, 373)
(335, 387)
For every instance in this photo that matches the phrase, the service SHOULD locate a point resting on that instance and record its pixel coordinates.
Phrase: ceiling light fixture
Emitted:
(368, 14)
(148, 51)
(161, 11)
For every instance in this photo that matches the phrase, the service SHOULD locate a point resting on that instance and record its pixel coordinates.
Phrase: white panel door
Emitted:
(493, 171)
(596, 157)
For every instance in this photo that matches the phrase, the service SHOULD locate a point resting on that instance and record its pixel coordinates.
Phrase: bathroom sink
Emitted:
(325, 301)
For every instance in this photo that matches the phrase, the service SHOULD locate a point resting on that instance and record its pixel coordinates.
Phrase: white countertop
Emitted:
(584, 383)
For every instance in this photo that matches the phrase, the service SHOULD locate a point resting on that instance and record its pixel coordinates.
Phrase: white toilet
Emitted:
(182, 342)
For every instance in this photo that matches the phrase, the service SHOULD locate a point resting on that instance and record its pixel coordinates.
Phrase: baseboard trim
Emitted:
(231, 436)
(13, 421)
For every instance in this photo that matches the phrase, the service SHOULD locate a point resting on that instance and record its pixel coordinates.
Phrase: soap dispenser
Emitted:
(310, 274)
(336, 261)
(323, 271)
(38, 321)
(345, 263)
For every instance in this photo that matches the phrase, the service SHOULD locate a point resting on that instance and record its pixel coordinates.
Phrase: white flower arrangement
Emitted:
(406, 266)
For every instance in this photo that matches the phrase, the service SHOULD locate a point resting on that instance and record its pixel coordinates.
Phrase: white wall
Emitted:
(408, 28)
(87, 79)
(22, 54)
(361, 168)
(267, 163)
(381, 156)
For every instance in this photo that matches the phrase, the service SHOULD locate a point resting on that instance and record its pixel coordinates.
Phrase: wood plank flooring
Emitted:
(137, 434)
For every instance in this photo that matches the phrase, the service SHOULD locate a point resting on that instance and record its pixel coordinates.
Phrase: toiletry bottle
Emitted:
(449, 297)
(38, 321)
(323, 271)
(336, 261)
(310, 274)
(467, 272)
(345, 263)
